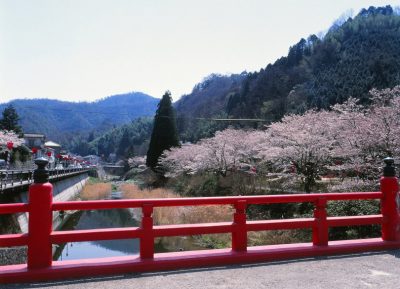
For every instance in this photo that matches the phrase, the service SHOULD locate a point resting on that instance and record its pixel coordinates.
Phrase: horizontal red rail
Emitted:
(193, 229)
(59, 237)
(184, 260)
(280, 224)
(206, 228)
(355, 220)
(14, 208)
(13, 240)
(269, 199)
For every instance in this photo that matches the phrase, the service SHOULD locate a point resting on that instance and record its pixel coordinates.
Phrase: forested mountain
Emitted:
(356, 55)
(60, 120)
(124, 141)
(353, 57)
(207, 99)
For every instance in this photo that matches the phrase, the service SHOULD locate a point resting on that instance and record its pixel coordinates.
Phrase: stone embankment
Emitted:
(15, 255)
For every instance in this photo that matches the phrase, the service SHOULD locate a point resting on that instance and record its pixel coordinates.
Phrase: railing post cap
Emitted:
(41, 162)
(389, 169)
(41, 174)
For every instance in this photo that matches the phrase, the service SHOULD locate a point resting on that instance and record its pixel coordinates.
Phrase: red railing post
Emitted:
(239, 233)
(40, 218)
(320, 228)
(389, 203)
(147, 239)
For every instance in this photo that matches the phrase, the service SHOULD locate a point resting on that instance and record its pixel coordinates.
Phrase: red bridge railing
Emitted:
(41, 236)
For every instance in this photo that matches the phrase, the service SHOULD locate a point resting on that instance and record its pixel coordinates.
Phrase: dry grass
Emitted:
(96, 191)
(178, 215)
(208, 214)
(278, 237)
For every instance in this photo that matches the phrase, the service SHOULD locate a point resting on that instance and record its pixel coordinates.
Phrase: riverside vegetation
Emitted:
(96, 189)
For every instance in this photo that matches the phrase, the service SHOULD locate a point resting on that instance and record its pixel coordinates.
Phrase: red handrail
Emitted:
(14, 208)
(193, 229)
(40, 235)
(250, 200)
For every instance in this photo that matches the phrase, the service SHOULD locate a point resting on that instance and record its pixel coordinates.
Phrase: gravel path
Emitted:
(371, 270)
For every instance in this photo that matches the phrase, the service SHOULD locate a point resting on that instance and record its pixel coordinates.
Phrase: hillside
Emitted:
(207, 99)
(60, 120)
(355, 55)
(125, 141)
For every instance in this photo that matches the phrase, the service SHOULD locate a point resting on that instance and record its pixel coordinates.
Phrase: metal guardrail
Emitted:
(14, 178)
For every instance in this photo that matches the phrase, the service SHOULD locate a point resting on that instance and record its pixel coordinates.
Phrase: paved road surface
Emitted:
(373, 270)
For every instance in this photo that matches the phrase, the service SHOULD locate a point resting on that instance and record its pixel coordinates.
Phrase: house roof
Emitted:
(52, 144)
(34, 135)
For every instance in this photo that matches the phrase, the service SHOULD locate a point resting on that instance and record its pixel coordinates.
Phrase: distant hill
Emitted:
(356, 55)
(60, 120)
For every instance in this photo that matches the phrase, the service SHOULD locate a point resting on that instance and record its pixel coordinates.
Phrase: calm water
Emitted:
(94, 220)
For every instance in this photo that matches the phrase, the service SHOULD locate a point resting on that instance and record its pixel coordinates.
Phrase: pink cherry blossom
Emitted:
(9, 136)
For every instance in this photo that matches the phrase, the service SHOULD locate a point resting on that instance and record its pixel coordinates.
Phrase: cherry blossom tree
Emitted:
(136, 161)
(382, 138)
(306, 142)
(224, 152)
(348, 138)
(9, 136)
(380, 130)
(188, 159)
(367, 135)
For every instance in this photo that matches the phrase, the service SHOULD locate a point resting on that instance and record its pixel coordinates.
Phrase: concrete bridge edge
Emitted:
(63, 190)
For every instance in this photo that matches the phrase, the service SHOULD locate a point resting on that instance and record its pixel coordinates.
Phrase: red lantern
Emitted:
(10, 145)
(49, 154)
(34, 150)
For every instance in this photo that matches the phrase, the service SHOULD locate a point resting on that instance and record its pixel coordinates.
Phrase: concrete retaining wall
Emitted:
(63, 190)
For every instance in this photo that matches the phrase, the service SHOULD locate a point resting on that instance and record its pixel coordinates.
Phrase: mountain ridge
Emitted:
(354, 56)
(59, 120)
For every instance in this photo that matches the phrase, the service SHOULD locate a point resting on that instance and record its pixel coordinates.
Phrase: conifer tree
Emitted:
(124, 144)
(10, 120)
(164, 135)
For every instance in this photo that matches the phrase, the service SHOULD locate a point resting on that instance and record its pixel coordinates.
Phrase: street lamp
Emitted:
(34, 151)
(10, 146)
(48, 153)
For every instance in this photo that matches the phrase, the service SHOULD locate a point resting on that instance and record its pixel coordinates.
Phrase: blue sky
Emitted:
(83, 50)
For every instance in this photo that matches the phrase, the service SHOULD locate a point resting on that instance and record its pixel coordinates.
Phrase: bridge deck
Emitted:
(367, 270)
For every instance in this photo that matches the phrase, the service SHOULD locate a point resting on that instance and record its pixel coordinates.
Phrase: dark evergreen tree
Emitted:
(124, 144)
(164, 135)
(10, 120)
(91, 136)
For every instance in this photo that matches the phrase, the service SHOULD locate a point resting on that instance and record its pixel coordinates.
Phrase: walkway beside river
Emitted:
(369, 270)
